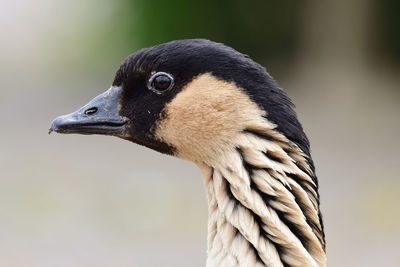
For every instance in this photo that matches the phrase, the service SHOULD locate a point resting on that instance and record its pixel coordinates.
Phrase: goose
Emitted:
(205, 102)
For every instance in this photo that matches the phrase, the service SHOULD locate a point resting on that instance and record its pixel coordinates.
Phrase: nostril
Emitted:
(91, 111)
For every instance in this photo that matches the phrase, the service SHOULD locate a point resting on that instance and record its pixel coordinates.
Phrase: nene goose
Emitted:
(205, 102)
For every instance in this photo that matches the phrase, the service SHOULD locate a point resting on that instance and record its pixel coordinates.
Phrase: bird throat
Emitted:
(263, 205)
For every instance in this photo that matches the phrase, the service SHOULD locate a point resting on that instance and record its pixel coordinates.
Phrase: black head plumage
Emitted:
(186, 59)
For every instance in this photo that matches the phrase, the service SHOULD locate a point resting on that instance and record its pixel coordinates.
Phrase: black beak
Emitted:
(99, 116)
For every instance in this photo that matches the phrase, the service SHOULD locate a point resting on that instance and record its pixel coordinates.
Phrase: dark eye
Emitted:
(160, 82)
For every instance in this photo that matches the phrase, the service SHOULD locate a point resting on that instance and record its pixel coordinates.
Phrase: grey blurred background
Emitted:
(100, 201)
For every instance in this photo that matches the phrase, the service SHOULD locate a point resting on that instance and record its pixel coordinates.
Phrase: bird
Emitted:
(207, 103)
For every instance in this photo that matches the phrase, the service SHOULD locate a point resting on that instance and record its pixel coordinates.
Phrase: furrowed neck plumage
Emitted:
(262, 192)
(263, 204)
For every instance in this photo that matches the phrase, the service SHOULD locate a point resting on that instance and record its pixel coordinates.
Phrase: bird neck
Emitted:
(263, 204)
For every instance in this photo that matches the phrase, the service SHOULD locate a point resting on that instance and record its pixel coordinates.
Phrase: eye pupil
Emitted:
(161, 82)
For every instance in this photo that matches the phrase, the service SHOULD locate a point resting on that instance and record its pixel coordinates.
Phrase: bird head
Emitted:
(188, 98)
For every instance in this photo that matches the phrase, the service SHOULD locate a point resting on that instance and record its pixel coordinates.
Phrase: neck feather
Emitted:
(263, 204)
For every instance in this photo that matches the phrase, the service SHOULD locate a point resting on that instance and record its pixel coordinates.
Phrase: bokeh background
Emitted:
(100, 201)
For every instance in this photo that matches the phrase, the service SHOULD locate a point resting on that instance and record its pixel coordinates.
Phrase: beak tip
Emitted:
(54, 127)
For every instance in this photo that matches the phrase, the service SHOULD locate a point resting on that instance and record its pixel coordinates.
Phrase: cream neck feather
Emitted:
(263, 205)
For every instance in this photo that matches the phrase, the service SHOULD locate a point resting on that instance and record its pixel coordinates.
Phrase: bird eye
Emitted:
(160, 82)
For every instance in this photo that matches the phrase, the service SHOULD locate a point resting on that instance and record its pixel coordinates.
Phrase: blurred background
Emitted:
(100, 201)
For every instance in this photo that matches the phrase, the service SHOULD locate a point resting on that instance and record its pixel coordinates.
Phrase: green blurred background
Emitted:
(100, 201)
